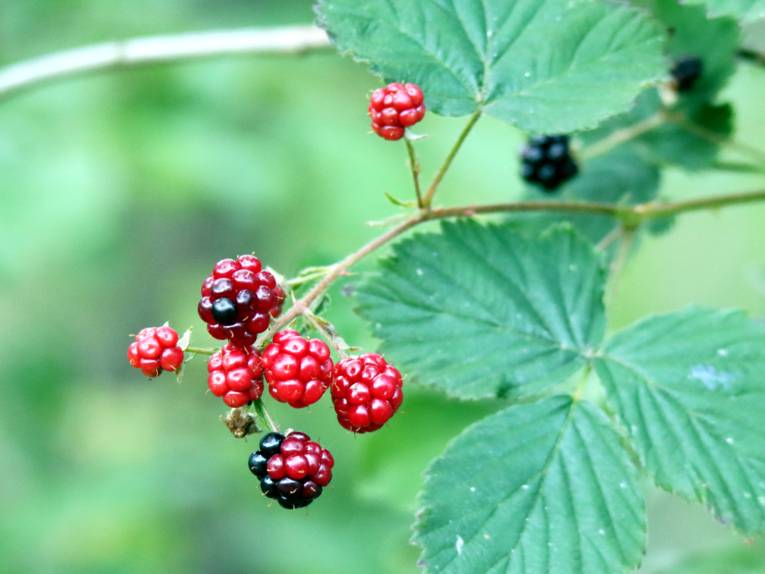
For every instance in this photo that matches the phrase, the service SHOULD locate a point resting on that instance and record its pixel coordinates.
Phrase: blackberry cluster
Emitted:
(236, 375)
(685, 72)
(298, 370)
(292, 469)
(239, 298)
(154, 350)
(394, 108)
(366, 392)
(546, 161)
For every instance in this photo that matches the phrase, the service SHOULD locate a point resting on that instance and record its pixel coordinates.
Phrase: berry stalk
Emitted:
(414, 166)
(263, 413)
(428, 200)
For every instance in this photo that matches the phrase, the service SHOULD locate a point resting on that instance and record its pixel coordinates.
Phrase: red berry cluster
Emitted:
(154, 350)
(292, 469)
(394, 108)
(239, 298)
(366, 392)
(298, 370)
(235, 373)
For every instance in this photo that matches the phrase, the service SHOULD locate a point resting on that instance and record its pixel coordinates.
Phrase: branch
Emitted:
(630, 215)
(159, 49)
(341, 268)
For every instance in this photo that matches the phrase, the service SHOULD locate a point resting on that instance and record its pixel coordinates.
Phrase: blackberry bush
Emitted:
(514, 313)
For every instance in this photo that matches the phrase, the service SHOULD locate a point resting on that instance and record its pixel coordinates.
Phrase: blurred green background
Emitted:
(119, 191)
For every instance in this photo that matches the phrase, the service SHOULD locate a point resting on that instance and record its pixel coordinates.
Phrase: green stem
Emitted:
(414, 166)
(618, 137)
(449, 158)
(200, 350)
(631, 216)
(327, 331)
(263, 413)
(654, 210)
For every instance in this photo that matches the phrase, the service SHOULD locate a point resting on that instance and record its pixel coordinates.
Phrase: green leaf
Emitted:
(522, 310)
(396, 480)
(746, 11)
(692, 143)
(542, 487)
(689, 388)
(543, 65)
(695, 144)
(715, 42)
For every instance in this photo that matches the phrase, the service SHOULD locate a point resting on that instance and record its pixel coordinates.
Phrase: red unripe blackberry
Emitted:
(298, 370)
(366, 392)
(292, 469)
(236, 374)
(155, 349)
(394, 108)
(239, 299)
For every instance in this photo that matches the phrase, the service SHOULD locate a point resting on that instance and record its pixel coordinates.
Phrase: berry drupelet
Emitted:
(292, 469)
(239, 299)
(154, 350)
(236, 375)
(686, 72)
(298, 370)
(366, 392)
(394, 108)
(546, 161)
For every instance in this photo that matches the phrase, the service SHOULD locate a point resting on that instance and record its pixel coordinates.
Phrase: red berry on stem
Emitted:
(298, 370)
(236, 375)
(366, 392)
(239, 299)
(395, 108)
(155, 349)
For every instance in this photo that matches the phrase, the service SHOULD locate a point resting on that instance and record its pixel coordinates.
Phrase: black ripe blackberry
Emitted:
(546, 162)
(292, 469)
(685, 72)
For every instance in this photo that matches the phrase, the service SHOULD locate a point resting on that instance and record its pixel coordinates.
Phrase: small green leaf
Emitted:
(746, 11)
(542, 487)
(522, 310)
(543, 65)
(689, 388)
